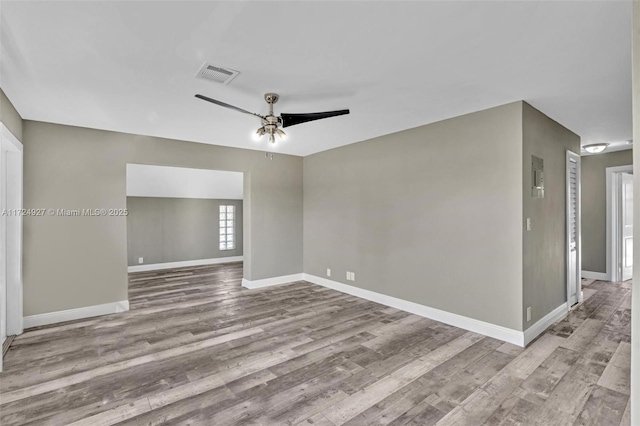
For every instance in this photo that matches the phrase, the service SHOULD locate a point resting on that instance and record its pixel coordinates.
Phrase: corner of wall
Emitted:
(490, 173)
(544, 258)
(246, 225)
(10, 117)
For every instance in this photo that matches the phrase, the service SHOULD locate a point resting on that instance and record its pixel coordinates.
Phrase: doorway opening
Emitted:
(620, 222)
(573, 247)
(181, 217)
(10, 236)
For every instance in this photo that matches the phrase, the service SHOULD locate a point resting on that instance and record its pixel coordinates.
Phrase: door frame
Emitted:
(572, 156)
(613, 216)
(11, 155)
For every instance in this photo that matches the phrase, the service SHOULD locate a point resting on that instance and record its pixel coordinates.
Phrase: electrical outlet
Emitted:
(328, 272)
(529, 313)
(528, 224)
(140, 260)
(353, 276)
(348, 276)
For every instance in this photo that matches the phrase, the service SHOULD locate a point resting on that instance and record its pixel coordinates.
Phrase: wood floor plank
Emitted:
(546, 377)
(604, 407)
(617, 374)
(513, 411)
(573, 391)
(626, 417)
(360, 401)
(115, 415)
(123, 365)
(198, 349)
(317, 420)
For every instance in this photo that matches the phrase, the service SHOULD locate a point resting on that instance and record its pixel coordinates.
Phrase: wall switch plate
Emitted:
(529, 313)
(528, 224)
(353, 276)
(348, 276)
(140, 260)
(328, 272)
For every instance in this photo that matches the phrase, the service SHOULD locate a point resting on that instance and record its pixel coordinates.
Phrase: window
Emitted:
(227, 216)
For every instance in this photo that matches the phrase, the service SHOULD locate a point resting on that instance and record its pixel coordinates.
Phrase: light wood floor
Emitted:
(196, 348)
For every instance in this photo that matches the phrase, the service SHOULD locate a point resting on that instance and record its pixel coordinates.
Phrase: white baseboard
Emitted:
(543, 323)
(602, 276)
(515, 337)
(183, 264)
(267, 282)
(498, 332)
(74, 314)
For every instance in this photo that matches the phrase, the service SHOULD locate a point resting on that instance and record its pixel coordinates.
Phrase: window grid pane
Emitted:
(227, 214)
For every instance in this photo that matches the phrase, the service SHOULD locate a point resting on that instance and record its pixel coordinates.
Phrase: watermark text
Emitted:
(64, 212)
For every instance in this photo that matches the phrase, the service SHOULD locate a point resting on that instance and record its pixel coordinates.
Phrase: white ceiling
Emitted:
(131, 66)
(178, 182)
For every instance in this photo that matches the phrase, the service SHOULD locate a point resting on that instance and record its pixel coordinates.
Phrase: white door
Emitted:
(626, 225)
(573, 228)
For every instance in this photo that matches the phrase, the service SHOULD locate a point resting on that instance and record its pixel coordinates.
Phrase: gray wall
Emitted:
(432, 215)
(9, 116)
(544, 255)
(163, 230)
(594, 206)
(71, 262)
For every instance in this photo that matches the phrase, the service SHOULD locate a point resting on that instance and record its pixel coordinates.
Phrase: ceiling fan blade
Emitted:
(293, 119)
(222, 104)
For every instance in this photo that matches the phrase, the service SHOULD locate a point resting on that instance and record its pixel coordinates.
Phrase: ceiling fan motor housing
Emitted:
(271, 98)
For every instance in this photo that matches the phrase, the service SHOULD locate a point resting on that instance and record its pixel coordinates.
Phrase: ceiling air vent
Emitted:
(217, 74)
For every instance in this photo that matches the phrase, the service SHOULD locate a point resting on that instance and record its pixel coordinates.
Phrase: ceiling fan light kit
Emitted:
(271, 123)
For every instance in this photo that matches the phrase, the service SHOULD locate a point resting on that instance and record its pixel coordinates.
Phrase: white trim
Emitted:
(601, 276)
(10, 137)
(75, 314)
(543, 323)
(612, 217)
(268, 282)
(496, 331)
(11, 156)
(183, 264)
(573, 157)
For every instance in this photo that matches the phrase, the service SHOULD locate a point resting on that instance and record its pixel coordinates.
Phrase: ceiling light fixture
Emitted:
(595, 148)
(271, 123)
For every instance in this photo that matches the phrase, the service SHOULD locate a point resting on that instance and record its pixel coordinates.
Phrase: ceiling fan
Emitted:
(271, 123)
